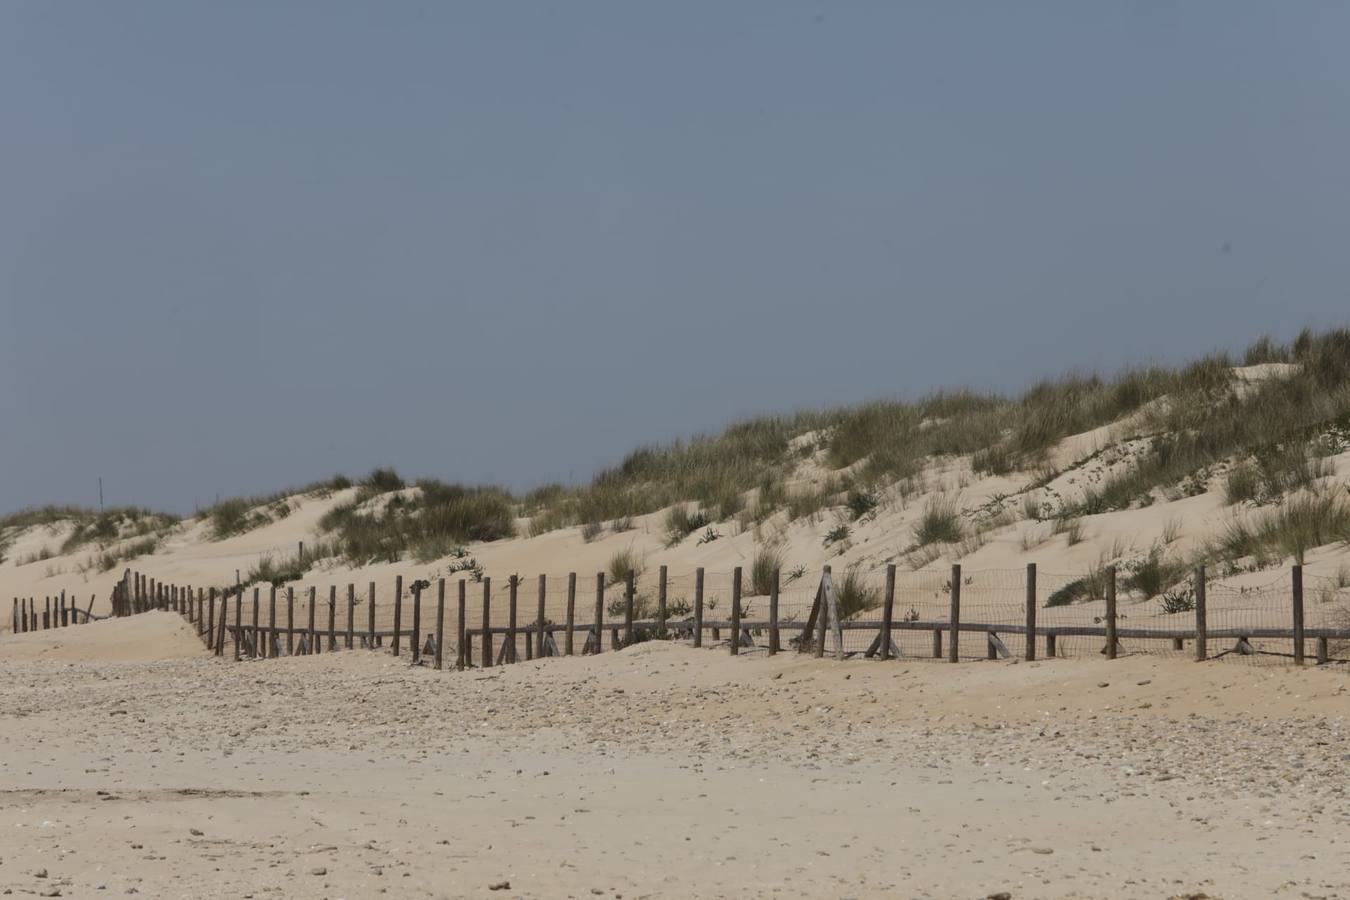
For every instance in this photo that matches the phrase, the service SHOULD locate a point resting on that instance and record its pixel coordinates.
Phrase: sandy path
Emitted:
(665, 771)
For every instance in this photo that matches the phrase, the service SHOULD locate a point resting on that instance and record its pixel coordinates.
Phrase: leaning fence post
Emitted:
(736, 611)
(628, 597)
(599, 611)
(398, 610)
(773, 613)
(888, 613)
(220, 629)
(462, 657)
(1110, 612)
(661, 604)
(1201, 628)
(571, 612)
(1031, 612)
(487, 622)
(822, 614)
(440, 622)
(698, 607)
(1298, 615)
(954, 640)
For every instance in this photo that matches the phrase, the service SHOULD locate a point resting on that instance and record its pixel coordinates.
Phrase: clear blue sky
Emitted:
(246, 245)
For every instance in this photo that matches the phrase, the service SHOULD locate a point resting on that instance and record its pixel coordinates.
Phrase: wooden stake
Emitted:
(510, 647)
(661, 604)
(629, 593)
(821, 616)
(290, 621)
(1111, 612)
(211, 619)
(398, 610)
(238, 619)
(332, 618)
(571, 612)
(1201, 629)
(887, 613)
(698, 607)
(736, 611)
(487, 622)
(312, 633)
(272, 623)
(257, 596)
(953, 642)
(1031, 612)
(540, 637)
(417, 622)
(351, 616)
(370, 616)
(463, 655)
(599, 611)
(1298, 614)
(440, 622)
(773, 614)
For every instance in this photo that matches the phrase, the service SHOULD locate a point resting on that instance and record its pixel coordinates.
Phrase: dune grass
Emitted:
(1301, 523)
(623, 562)
(855, 594)
(768, 560)
(940, 522)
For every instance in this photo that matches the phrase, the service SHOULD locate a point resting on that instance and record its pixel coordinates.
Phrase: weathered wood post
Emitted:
(440, 622)
(257, 599)
(1110, 612)
(661, 604)
(398, 610)
(312, 633)
(331, 643)
(65, 612)
(370, 616)
(937, 643)
(599, 620)
(540, 636)
(888, 613)
(487, 622)
(290, 621)
(774, 646)
(417, 621)
(220, 629)
(822, 615)
(510, 647)
(736, 611)
(463, 656)
(238, 618)
(1297, 575)
(1031, 612)
(272, 623)
(698, 607)
(46, 613)
(211, 619)
(571, 612)
(1201, 627)
(629, 594)
(954, 640)
(350, 641)
(1323, 651)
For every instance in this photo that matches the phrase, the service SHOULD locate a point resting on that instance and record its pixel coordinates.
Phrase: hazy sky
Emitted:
(247, 245)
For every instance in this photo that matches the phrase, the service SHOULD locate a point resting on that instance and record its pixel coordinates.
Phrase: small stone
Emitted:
(318, 870)
(1000, 895)
(1103, 684)
(195, 832)
(500, 886)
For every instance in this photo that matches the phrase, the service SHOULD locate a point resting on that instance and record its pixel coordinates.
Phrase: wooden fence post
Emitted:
(571, 612)
(509, 649)
(462, 657)
(370, 616)
(888, 613)
(698, 607)
(440, 622)
(311, 633)
(211, 619)
(417, 622)
(1031, 612)
(272, 623)
(65, 614)
(1110, 612)
(290, 621)
(351, 616)
(954, 639)
(736, 611)
(1298, 614)
(398, 610)
(629, 594)
(822, 615)
(331, 643)
(220, 629)
(1201, 627)
(540, 644)
(774, 646)
(257, 598)
(238, 618)
(661, 604)
(487, 622)
(599, 620)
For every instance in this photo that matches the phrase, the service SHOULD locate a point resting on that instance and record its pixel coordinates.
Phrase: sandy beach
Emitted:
(134, 763)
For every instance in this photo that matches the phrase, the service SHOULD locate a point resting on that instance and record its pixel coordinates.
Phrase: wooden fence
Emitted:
(56, 612)
(268, 627)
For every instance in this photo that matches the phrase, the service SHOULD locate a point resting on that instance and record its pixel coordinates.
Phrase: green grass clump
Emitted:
(1298, 525)
(621, 563)
(768, 560)
(855, 594)
(681, 522)
(940, 522)
(1154, 574)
